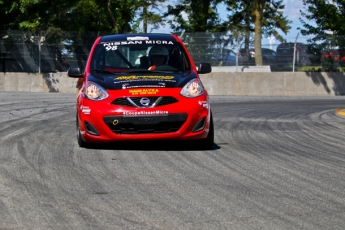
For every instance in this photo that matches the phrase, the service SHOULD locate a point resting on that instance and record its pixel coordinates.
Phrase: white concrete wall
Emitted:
(275, 83)
(28, 82)
(217, 83)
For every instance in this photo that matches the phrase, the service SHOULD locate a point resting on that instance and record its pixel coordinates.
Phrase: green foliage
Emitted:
(197, 16)
(118, 15)
(78, 15)
(148, 13)
(273, 20)
(54, 35)
(9, 14)
(127, 16)
(329, 28)
(260, 17)
(27, 25)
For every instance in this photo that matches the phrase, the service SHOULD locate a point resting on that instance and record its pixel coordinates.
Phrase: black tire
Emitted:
(80, 140)
(208, 142)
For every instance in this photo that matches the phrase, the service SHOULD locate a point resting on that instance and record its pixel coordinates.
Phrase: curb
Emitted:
(340, 112)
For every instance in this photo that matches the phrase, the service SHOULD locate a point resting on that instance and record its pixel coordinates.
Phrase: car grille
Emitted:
(145, 124)
(135, 101)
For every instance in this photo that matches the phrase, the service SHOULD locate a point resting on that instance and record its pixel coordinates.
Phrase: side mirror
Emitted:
(204, 68)
(75, 72)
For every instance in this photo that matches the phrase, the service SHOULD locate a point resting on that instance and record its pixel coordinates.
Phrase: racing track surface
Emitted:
(278, 163)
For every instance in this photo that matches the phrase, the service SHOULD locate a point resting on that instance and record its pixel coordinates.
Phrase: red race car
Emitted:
(142, 87)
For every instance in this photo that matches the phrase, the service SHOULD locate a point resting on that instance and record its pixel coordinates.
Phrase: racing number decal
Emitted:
(110, 47)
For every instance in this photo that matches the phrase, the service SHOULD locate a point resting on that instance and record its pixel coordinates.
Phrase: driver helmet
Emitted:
(159, 51)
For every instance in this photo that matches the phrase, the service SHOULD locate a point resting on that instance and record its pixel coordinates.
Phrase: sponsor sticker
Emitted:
(125, 79)
(141, 86)
(134, 77)
(143, 91)
(137, 38)
(134, 41)
(85, 109)
(138, 113)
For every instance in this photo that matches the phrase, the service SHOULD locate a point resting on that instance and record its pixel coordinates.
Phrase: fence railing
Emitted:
(44, 51)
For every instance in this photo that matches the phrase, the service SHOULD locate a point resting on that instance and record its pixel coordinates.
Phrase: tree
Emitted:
(113, 16)
(197, 20)
(9, 14)
(146, 14)
(192, 16)
(240, 20)
(329, 19)
(261, 17)
(78, 15)
(258, 8)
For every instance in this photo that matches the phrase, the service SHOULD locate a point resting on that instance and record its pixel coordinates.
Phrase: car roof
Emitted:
(150, 36)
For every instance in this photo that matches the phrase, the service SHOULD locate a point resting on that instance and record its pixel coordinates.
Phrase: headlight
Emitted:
(95, 92)
(193, 88)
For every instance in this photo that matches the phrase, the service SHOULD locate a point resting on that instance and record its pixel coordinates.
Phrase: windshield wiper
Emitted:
(152, 71)
(102, 71)
(139, 71)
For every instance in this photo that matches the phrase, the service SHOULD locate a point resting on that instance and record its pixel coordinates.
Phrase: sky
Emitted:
(292, 11)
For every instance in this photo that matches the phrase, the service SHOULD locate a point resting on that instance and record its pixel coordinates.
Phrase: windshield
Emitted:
(113, 57)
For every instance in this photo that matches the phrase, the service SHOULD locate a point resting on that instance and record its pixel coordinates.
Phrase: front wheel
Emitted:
(208, 142)
(80, 140)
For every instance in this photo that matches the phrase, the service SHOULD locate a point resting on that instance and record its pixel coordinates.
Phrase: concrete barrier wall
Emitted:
(28, 82)
(275, 83)
(217, 83)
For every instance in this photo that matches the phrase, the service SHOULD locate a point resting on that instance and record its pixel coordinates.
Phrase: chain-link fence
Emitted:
(35, 52)
(52, 51)
(302, 55)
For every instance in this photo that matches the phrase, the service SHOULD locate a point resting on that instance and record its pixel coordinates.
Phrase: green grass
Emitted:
(320, 68)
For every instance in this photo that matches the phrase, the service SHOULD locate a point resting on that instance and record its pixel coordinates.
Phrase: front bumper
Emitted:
(102, 121)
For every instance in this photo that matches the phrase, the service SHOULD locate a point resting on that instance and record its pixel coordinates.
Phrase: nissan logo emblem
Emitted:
(145, 101)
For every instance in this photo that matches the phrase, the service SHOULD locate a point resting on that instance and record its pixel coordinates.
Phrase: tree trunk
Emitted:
(113, 20)
(247, 39)
(258, 11)
(145, 17)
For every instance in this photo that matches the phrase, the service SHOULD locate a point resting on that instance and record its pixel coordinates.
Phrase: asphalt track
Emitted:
(277, 163)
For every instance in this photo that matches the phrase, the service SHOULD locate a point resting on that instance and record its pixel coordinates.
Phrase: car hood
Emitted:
(141, 80)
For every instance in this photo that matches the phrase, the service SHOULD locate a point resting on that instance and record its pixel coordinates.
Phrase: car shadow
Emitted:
(153, 146)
